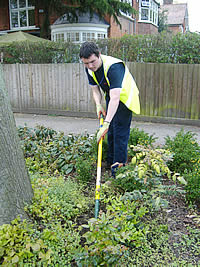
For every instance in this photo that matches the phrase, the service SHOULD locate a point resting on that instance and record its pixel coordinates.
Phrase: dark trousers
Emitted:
(118, 135)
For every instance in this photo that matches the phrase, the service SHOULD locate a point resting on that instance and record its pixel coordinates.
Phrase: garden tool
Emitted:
(98, 181)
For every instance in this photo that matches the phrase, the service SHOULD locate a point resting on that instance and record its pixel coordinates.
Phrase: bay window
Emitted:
(148, 10)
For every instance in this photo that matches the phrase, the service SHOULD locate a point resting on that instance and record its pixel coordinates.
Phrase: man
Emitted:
(122, 98)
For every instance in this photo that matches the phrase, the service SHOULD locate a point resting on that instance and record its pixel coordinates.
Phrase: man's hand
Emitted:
(103, 131)
(100, 110)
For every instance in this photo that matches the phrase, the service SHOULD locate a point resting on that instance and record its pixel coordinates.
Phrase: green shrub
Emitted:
(127, 179)
(40, 53)
(52, 235)
(61, 240)
(155, 48)
(51, 152)
(139, 137)
(84, 169)
(56, 200)
(109, 237)
(193, 184)
(150, 160)
(185, 149)
(18, 246)
(24, 244)
(160, 48)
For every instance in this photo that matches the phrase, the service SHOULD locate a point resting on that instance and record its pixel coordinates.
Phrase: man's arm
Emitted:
(112, 108)
(113, 103)
(97, 95)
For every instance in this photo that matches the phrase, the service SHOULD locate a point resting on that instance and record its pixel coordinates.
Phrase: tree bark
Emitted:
(15, 185)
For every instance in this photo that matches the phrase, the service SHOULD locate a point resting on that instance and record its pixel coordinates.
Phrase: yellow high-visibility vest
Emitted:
(129, 94)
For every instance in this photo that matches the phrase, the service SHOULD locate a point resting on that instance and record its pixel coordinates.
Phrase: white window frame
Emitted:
(83, 36)
(151, 8)
(19, 9)
(131, 4)
(85, 32)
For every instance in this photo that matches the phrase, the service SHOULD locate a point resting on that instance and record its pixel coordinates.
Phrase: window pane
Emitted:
(68, 37)
(144, 14)
(14, 19)
(31, 17)
(23, 18)
(151, 15)
(72, 37)
(77, 36)
(13, 3)
(101, 36)
(60, 37)
(22, 3)
(84, 36)
(145, 2)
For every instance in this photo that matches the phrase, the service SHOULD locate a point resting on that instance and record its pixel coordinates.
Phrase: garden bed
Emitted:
(149, 214)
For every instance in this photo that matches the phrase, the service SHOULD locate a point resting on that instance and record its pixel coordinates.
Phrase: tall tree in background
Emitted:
(162, 21)
(15, 186)
(71, 7)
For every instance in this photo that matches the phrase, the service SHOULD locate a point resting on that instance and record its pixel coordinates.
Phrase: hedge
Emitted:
(158, 48)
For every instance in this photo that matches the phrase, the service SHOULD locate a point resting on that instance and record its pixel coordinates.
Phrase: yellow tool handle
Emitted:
(98, 181)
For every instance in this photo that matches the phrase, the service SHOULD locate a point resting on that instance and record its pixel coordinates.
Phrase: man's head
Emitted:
(90, 56)
(87, 49)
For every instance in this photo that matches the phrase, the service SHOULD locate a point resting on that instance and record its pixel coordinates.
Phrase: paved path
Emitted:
(76, 125)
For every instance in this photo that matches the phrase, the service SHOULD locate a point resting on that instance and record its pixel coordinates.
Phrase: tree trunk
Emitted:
(15, 186)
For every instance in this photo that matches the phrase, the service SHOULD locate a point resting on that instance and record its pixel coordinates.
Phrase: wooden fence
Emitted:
(166, 90)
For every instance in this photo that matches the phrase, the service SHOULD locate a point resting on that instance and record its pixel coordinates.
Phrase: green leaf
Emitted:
(15, 259)
(182, 180)
(35, 247)
(157, 202)
(85, 226)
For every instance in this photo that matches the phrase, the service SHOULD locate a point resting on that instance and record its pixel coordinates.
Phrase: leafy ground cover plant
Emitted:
(50, 235)
(193, 185)
(56, 199)
(85, 169)
(17, 245)
(185, 149)
(113, 233)
(47, 151)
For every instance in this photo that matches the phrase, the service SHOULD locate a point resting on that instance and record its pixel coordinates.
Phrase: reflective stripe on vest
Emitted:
(129, 94)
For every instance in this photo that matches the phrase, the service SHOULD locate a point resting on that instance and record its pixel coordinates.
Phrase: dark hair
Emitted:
(87, 49)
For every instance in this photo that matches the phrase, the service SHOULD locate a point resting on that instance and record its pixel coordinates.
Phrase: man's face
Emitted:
(92, 63)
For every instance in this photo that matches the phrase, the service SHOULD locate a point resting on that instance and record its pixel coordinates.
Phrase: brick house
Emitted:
(22, 15)
(177, 16)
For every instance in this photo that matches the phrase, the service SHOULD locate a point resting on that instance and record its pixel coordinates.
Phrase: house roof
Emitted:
(82, 18)
(175, 13)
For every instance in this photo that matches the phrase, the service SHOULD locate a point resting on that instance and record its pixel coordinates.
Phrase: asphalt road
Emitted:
(74, 125)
